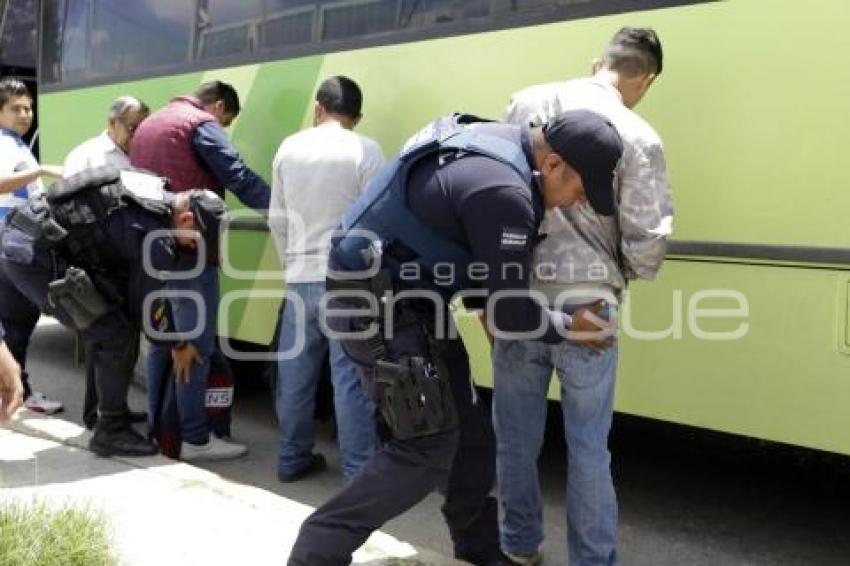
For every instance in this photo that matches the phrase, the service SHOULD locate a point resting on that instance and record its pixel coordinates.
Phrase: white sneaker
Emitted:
(39, 403)
(215, 449)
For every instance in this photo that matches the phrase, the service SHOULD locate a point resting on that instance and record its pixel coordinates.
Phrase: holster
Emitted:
(38, 224)
(76, 297)
(414, 397)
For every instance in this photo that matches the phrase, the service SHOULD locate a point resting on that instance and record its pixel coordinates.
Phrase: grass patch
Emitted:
(40, 535)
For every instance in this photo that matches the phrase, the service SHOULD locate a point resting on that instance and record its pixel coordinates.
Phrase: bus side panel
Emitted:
(756, 350)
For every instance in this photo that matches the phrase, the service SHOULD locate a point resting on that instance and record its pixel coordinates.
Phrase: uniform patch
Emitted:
(514, 238)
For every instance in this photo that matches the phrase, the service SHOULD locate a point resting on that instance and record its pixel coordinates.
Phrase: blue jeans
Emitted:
(191, 396)
(298, 376)
(522, 371)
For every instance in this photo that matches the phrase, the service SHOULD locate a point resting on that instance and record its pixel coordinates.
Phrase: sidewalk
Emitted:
(162, 511)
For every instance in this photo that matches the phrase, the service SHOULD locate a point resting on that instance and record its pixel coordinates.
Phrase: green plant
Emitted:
(38, 534)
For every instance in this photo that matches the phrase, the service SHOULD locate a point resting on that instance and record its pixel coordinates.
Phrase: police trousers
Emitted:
(460, 463)
(111, 339)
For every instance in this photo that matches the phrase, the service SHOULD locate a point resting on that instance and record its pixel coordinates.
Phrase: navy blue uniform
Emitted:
(26, 270)
(486, 206)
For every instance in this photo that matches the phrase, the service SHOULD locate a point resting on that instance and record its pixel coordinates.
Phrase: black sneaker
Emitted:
(317, 464)
(114, 440)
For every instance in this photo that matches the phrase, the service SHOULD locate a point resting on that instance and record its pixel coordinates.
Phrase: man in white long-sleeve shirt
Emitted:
(317, 174)
(585, 257)
(112, 146)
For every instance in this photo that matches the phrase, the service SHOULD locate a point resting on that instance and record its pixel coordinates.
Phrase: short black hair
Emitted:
(634, 52)
(213, 91)
(340, 95)
(10, 87)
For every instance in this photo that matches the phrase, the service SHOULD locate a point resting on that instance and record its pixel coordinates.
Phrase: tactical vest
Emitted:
(381, 220)
(82, 203)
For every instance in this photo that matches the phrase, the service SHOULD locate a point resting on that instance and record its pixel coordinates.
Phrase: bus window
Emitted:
(354, 19)
(18, 42)
(64, 40)
(226, 27)
(131, 36)
(292, 26)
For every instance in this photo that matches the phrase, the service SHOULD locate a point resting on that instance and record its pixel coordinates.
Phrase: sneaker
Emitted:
(508, 559)
(215, 449)
(317, 464)
(39, 403)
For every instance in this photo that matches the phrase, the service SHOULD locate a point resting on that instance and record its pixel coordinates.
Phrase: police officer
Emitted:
(79, 252)
(457, 213)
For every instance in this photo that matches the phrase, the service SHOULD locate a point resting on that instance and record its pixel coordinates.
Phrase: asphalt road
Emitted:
(687, 496)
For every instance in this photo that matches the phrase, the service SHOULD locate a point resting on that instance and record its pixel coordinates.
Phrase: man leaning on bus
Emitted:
(185, 142)
(585, 257)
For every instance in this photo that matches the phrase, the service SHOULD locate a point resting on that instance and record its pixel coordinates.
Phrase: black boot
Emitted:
(113, 436)
(90, 418)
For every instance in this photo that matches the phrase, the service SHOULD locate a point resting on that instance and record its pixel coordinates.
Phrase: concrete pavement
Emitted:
(161, 511)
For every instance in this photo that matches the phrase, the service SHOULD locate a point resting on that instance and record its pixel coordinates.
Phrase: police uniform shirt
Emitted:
(16, 157)
(95, 152)
(486, 206)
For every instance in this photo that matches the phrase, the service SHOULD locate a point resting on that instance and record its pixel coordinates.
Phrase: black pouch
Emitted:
(76, 297)
(414, 397)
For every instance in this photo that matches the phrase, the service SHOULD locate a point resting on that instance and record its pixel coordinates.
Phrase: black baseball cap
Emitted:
(210, 213)
(590, 144)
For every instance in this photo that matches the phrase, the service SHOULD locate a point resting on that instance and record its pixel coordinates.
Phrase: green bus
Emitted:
(746, 328)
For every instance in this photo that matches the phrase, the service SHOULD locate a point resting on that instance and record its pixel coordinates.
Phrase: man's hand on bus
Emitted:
(182, 358)
(590, 330)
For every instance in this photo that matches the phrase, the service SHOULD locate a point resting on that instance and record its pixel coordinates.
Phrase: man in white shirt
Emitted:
(585, 257)
(112, 146)
(20, 177)
(317, 174)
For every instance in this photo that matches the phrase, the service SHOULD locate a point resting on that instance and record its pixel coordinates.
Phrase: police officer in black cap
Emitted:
(87, 251)
(456, 214)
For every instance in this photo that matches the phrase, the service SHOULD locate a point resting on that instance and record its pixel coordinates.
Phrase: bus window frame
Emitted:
(470, 26)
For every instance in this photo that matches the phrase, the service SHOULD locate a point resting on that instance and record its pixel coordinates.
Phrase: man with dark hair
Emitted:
(219, 99)
(20, 177)
(317, 174)
(340, 95)
(185, 142)
(77, 251)
(421, 215)
(585, 257)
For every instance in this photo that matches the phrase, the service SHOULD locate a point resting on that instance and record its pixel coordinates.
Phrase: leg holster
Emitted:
(411, 390)
(76, 299)
(414, 396)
